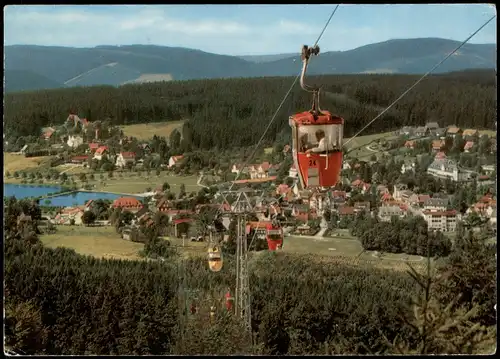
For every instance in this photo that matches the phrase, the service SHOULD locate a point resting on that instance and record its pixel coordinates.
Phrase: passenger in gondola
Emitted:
(320, 137)
(304, 142)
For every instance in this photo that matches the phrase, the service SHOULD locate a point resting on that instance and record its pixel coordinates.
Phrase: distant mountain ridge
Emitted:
(29, 67)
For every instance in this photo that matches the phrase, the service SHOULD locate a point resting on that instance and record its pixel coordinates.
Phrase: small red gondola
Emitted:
(270, 230)
(229, 301)
(274, 236)
(317, 138)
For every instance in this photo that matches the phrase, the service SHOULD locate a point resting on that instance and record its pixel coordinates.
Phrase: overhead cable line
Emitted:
(279, 107)
(420, 79)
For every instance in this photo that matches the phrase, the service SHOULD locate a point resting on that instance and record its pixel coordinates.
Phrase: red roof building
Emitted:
(128, 203)
(128, 155)
(79, 159)
(346, 211)
(101, 150)
(437, 145)
(410, 144)
(468, 145)
(450, 213)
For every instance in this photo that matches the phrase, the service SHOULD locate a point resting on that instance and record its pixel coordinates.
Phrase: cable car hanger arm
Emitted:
(305, 55)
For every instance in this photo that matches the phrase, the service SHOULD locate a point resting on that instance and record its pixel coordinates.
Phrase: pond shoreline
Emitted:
(48, 184)
(61, 199)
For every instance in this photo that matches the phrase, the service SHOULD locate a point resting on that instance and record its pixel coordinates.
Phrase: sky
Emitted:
(242, 29)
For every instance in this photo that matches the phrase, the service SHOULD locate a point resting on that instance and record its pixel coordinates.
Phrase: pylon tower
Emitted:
(241, 208)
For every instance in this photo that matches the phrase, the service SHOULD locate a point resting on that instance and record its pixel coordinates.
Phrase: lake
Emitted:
(67, 200)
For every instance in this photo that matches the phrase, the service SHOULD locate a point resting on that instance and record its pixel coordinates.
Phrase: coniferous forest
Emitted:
(233, 112)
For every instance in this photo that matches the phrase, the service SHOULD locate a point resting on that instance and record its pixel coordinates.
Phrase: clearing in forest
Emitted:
(490, 133)
(358, 146)
(13, 162)
(347, 249)
(365, 140)
(145, 131)
(100, 242)
(131, 182)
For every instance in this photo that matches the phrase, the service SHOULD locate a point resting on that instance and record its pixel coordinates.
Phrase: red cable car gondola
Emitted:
(274, 235)
(317, 138)
(229, 300)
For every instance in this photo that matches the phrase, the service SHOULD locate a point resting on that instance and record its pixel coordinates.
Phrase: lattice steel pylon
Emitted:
(242, 207)
(243, 300)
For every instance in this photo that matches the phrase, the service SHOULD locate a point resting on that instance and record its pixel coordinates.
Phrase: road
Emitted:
(324, 226)
(198, 182)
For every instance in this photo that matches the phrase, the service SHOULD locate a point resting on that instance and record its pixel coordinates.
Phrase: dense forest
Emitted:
(234, 112)
(59, 302)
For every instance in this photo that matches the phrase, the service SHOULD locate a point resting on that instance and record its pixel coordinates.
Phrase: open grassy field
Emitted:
(490, 133)
(104, 242)
(12, 162)
(190, 249)
(360, 143)
(346, 248)
(100, 242)
(132, 183)
(146, 131)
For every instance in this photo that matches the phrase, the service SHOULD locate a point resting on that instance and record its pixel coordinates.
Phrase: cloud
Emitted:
(233, 30)
(84, 26)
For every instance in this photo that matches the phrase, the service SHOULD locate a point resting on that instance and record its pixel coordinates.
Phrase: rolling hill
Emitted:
(19, 80)
(118, 65)
(266, 58)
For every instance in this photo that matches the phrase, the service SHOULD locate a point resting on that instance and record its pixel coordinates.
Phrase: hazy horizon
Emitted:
(242, 30)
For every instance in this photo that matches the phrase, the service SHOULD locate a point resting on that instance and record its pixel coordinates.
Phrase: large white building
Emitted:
(74, 141)
(446, 168)
(444, 221)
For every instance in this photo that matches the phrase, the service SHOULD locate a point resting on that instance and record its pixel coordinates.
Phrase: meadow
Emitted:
(357, 148)
(146, 131)
(99, 242)
(104, 242)
(132, 182)
(123, 182)
(13, 162)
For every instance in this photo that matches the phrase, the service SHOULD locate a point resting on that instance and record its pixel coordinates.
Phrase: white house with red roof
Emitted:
(47, 133)
(175, 160)
(124, 158)
(468, 146)
(68, 214)
(101, 151)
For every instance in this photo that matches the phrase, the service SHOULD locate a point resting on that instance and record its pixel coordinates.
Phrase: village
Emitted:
(303, 212)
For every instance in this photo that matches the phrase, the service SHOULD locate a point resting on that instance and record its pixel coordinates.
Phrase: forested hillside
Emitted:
(117, 65)
(19, 80)
(234, 112)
